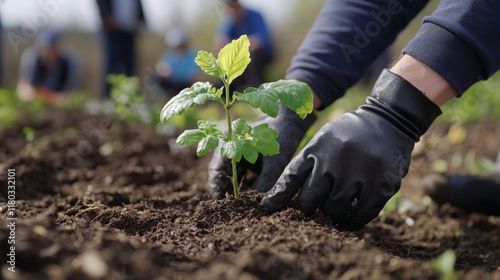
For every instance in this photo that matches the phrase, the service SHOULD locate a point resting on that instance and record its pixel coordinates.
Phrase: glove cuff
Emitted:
(405, 102)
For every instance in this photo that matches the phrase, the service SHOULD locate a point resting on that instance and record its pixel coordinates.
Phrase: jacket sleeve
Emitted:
(347, 36)
(460, 41)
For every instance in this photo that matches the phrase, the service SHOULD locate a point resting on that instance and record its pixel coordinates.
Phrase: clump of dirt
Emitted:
(143, 213)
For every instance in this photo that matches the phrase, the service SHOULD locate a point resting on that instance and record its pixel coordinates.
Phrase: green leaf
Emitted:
(267, 144)
(266, 101)
(206, 144)
(292, 94)
(198, 94)
(249, 142)
(206, 137)
(235, 57)
(237, 148)
(241, 127)
(445, 265)
(209, 64)
(208, 128)
(190, 137)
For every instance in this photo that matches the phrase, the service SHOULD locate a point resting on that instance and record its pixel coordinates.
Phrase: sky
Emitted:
(161, 14)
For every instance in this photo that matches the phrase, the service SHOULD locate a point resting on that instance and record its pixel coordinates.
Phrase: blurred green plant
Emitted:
(127, 97)
(12, 108)
(472, 163)
(480, 102)
(128, 107)
(75, 100)
(401, 206)
(29, 133)
(445, 265)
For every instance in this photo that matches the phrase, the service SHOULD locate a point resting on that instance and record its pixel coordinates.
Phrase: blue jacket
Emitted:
(460, 41)
(253, 24)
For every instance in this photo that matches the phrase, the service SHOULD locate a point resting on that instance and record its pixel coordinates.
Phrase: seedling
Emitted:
(445, 265)
(242, 140)
(126, 96)
(29, 133)
(128, 107)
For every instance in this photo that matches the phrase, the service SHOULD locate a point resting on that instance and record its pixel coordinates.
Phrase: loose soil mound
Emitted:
(143, 213)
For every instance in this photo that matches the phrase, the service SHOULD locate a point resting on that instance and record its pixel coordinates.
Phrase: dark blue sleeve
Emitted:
(346, 38)
(460, 41)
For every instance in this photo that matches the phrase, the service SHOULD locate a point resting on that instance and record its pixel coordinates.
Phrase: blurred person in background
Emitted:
(239, 21)
(176, 69)
(46, 71)
(121, 20)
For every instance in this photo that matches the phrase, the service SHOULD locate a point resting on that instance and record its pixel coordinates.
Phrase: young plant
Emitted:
(444, 264)
(242, 140)
(127, 105)
(127, 98)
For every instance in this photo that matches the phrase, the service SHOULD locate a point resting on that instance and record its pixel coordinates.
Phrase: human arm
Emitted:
(338, 49)
(354, 164)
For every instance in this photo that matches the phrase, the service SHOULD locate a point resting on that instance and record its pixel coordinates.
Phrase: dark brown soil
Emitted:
(143, 213)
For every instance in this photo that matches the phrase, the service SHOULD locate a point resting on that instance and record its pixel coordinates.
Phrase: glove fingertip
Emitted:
(278, 198)
(217, 188)
(271, 204)
(355, 221)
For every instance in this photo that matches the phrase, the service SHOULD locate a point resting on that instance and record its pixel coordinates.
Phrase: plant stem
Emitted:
(230, 138)
(235, 180)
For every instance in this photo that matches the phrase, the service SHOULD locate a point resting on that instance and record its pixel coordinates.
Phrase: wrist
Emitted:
(394, 96)
(425, 79)
(317, 102)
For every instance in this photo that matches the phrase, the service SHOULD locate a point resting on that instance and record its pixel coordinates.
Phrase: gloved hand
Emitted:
(354, 164)
(291, 130)
(473, 193)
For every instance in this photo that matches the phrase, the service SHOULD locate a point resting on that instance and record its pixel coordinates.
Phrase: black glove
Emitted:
(473, 193)
(291, 130)
(355, 163)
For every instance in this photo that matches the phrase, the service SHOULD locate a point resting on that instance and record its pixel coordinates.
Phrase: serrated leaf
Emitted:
(241, 127)
(234, 58)
(190, 137)
(208, 128)
(206, 137)
(249, 142)
(208, 63)
(267, 144)
(292, 94)
(198, 94)
(267, 102)
(251, 155)
(237, 148)
(206, 144)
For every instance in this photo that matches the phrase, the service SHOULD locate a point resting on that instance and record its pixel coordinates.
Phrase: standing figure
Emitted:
(120, 23)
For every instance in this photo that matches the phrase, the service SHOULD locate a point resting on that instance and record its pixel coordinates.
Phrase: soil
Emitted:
(143, 213)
